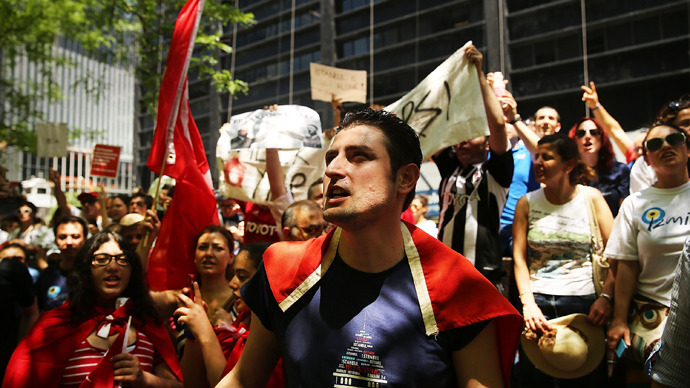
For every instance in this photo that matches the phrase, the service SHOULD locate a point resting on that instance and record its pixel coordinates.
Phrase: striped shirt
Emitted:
(86, 357)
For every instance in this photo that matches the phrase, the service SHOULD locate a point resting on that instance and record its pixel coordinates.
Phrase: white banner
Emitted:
(288, 127)
(331, 82)
(243, 172)
(51, 140)
(446, 108)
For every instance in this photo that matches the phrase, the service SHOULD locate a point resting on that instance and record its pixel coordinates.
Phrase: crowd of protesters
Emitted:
(546, 199)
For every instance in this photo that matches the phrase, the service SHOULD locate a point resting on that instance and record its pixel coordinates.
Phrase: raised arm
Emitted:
(610, 125)
(526, 134)
(54, 177)
(498, 141)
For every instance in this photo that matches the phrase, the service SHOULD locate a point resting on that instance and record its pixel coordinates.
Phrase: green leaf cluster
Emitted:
(130, 33)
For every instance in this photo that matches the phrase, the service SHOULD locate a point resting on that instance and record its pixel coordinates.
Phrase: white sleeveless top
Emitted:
(559, 243)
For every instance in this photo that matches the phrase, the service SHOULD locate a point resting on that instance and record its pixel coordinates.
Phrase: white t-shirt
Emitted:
(642, 176)
(651, 228)
(559, 242)
(430, 227)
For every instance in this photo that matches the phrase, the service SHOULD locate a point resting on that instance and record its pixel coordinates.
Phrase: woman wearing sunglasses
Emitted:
(106, 333)
(675, 112)
(647, 239)
(612, 177)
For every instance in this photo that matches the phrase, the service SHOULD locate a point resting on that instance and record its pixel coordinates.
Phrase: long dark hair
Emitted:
(81, 291)
(605, 156)
(566, 148)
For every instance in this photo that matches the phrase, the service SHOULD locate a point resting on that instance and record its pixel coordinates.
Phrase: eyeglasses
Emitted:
(24, 211)
(103, 259)
(675, 139)
(313, 230)
(137, 203)
(592, 132)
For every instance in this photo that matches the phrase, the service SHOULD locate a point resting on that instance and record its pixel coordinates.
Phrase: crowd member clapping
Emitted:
(612, 177)
(216, 351)
(88, 337)
(551, 249)
(647, 239)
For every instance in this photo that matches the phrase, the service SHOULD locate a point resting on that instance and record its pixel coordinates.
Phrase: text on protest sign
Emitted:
(331, 82)
(106, 160)
(446, 108)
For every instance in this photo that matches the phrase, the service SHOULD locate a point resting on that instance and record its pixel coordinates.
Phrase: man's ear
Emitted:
(558, 127)
(407, 177)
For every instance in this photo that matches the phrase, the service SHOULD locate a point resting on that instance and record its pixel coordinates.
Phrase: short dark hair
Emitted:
(148, 200)
(566, 148)
(402, 142)
(123, 197)
(80, 281)
(69, 220)
(255, 252)
(15, 245)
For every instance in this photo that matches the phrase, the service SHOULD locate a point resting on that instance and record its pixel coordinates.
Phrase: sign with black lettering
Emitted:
(446, 108)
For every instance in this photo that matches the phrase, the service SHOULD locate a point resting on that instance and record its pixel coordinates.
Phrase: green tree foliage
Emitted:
(134, 33)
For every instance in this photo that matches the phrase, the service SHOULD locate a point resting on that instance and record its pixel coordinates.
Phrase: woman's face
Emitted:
(111, 280)
(244, 270)
(25, 214)
(668, 158)
(587, 141)
(548, 164)
(418, 210)
(212, 254)
(116, 209)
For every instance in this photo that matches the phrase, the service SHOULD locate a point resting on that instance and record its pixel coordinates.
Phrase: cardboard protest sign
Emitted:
(446, 108)
(288, 127)
(51, 140)
(345, 85)
(106, 160)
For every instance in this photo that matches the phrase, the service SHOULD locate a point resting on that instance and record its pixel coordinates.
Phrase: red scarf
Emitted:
(460, 295)
(40, 358)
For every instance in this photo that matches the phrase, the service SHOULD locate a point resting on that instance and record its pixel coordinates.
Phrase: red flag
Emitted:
(102, 376)
(177, 142)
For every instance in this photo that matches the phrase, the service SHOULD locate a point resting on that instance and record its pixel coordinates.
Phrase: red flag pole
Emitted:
(172, 118)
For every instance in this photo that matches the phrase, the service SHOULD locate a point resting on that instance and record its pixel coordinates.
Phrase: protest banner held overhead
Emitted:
(287, 127)
(446, 107)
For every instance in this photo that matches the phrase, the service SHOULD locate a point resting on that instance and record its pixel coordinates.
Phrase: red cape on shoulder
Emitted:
(40, 358)
(459, 295)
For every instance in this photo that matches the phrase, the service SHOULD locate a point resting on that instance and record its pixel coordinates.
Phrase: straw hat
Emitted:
(573, 349)
(131, 219)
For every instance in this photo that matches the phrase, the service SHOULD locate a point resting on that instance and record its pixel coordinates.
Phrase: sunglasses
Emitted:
(676, 139)
(592, 132)
(674, 107)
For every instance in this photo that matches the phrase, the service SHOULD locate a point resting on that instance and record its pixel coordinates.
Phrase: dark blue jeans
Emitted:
(553, 306)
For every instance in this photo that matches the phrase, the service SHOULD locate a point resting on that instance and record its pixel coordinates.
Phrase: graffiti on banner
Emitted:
(446, 108)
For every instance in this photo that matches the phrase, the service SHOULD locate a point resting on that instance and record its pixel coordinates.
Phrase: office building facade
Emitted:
(637, 51)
